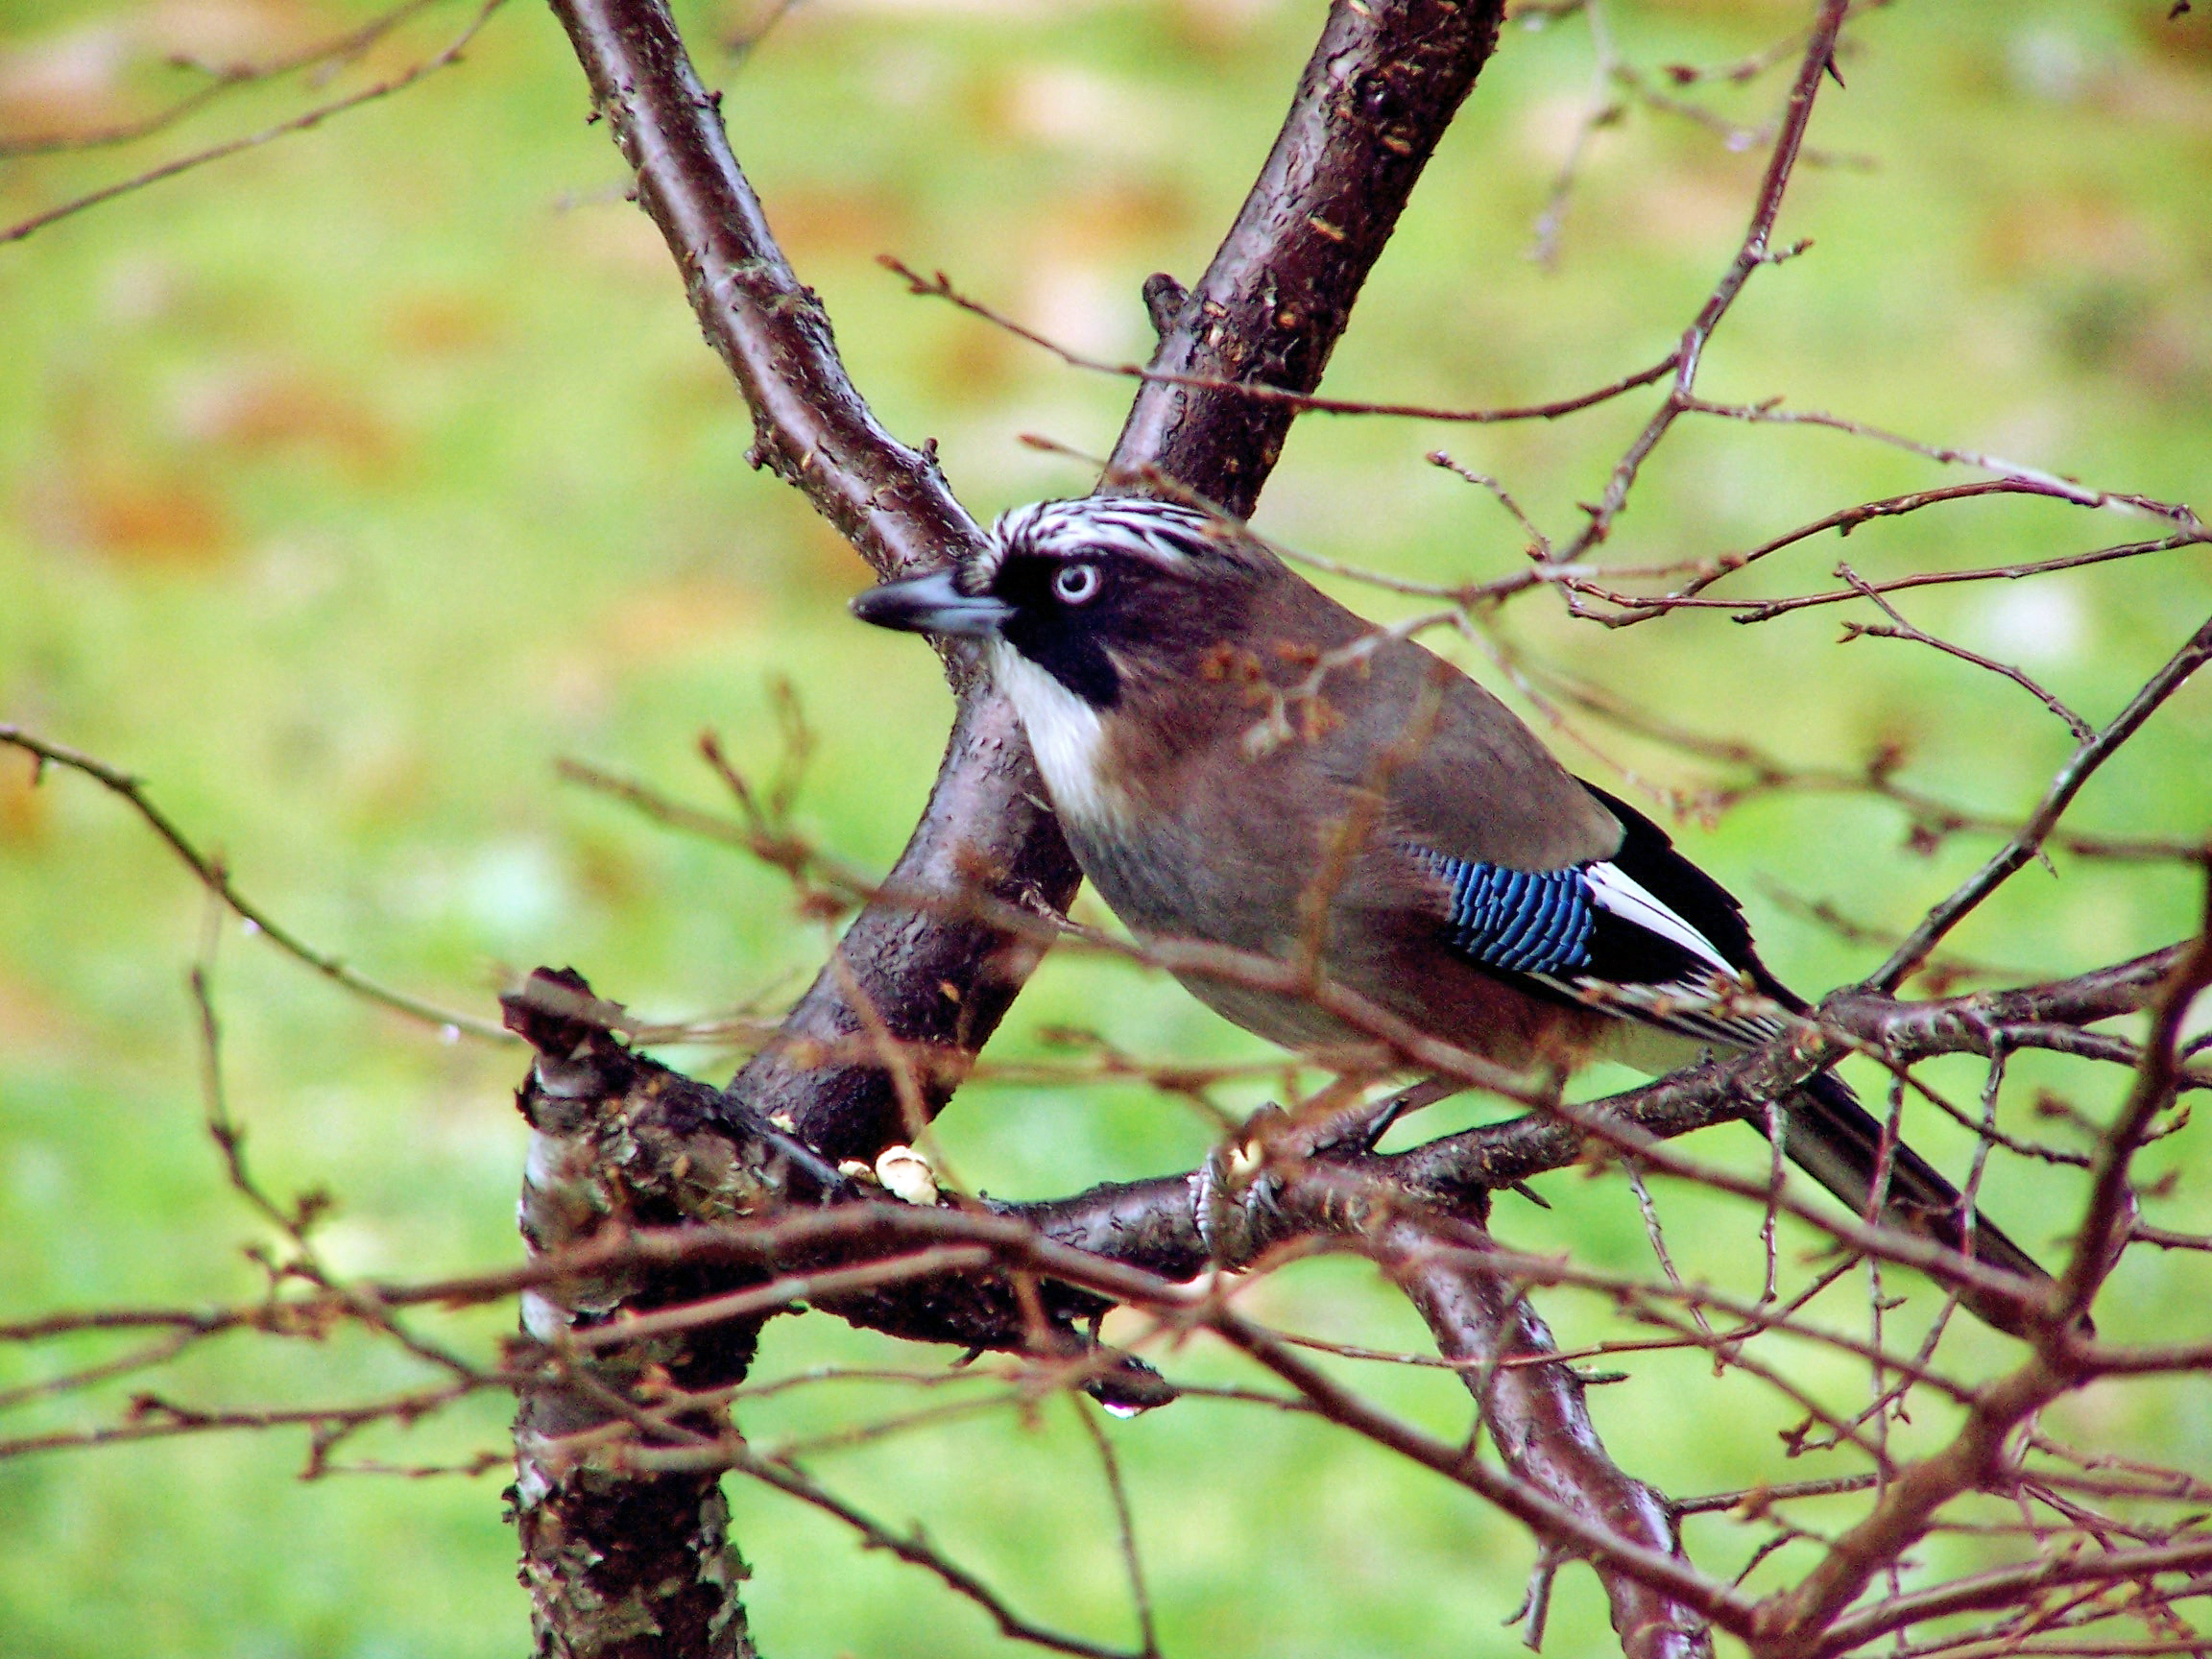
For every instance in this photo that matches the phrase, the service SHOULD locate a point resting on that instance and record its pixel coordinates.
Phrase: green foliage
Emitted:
(346, 485)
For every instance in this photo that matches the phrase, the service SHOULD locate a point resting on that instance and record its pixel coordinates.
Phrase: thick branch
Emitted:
(1380, 90)
(811, 426)
(899, 973)
(922, 975)
(1541, 1425)
(619, 1567)
(982, 827)
(626, 1141)
(1177, 1226)
(1972, 1025)
(663, 1117)
(1380, 87)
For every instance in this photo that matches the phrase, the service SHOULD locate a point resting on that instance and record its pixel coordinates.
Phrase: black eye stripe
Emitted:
(1073, 655)
(1124, 533)
(1034, 579)
(1146, 613)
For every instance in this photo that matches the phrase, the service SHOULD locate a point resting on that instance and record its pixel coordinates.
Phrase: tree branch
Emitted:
(1541, 1425)
(2079, 769)
(1380, 87)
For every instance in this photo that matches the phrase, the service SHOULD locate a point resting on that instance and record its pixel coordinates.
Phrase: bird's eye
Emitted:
(1076, 584)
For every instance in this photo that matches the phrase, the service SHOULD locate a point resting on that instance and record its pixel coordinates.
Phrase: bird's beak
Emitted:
(932, 604)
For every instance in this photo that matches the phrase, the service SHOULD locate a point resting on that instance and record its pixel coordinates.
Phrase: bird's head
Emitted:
(1101, 616)
(1101, 595)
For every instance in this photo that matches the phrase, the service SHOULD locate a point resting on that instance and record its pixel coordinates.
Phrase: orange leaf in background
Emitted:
(692, 614)
(825, 221)
(32, 1023)
(70, 82)
(90, 75)
(441, 325)
(157, 518)
(233, 32)
(22, 806)
(254, 408)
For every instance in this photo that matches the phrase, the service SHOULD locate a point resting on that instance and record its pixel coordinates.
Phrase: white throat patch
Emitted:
(1066, 734)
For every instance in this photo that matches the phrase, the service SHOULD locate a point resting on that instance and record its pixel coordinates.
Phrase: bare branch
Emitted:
(2064, 787)
(217, 880)
(222, 79)
(298, 123)
(1542, 1427)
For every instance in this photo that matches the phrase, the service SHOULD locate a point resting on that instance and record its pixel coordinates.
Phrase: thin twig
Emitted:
(222, 79)
(298, 123)
(915, 1549)
(217, 880)
(939, 286)
(2079, 769)
(1756, 251)
(1124, 1524)
(1900, 629)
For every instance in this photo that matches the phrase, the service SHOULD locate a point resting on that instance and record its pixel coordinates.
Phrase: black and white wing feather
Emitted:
(1643, 934)
(1648, 935)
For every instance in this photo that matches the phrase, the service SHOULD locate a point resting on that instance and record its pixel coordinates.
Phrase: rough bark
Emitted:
(621, 1565)
(1377, 95)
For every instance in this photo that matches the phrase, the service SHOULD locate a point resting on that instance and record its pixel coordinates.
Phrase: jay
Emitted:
(1229, 751)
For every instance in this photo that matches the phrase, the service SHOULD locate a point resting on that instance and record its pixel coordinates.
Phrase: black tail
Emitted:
(1832, 1137)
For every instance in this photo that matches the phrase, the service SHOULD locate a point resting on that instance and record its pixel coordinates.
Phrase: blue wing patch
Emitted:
(1522, 922)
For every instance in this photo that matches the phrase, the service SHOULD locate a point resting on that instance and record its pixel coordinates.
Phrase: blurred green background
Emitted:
(346, 485)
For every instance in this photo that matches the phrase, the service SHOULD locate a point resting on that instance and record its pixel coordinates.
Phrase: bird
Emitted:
(1238, 760)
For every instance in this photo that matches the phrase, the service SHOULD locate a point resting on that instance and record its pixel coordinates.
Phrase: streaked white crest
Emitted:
(1167, 533)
